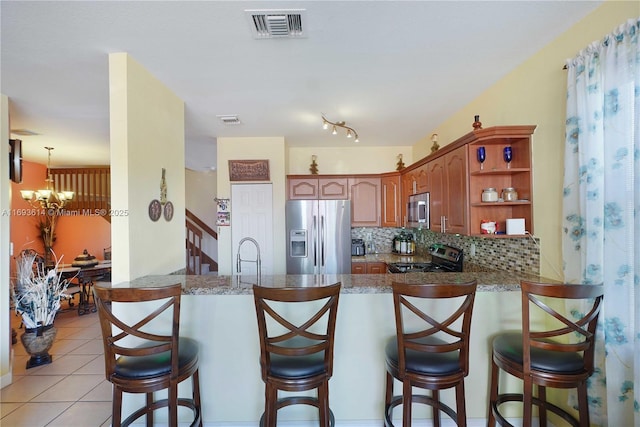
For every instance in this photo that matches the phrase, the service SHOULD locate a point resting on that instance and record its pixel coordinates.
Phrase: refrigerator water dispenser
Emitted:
(298, 243)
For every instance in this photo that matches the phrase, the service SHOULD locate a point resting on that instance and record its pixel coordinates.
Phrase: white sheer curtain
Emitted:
(601, 211)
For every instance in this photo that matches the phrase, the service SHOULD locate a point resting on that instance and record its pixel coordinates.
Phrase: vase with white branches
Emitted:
(37, 294)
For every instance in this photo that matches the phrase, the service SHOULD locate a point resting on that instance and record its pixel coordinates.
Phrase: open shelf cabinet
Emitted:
(495, 173)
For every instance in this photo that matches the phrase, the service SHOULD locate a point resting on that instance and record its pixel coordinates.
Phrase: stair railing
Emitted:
(194, 249)
(91, 187)
(196, 257)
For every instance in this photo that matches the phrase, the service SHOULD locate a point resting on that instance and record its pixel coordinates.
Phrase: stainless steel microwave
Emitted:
(418, 211)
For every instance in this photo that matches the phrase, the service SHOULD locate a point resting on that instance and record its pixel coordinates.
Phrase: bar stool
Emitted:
(296, 346)
(558, 356)
(429, 351)
(139, 358)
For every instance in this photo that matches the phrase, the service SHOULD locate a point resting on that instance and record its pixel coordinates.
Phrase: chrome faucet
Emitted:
(257, 260)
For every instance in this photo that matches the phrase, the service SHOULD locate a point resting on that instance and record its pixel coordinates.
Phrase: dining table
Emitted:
(84, 277)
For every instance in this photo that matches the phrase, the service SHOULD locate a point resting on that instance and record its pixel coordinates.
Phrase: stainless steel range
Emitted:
(444, 259)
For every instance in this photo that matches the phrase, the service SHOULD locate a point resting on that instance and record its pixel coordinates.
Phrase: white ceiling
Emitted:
(393, 70)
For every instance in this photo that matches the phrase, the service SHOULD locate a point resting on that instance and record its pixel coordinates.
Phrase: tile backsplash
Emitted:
(518, 254)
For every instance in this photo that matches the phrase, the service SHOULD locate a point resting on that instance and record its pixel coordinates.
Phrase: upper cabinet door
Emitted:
(421, 178)
(437, 191)
(318, 188)
(447, 184)
(456, 192)
(303, 188)
(365, 202)
(391, 195)
(333, 188)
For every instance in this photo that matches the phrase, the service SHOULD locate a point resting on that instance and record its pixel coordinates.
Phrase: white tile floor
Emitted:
(71, 391)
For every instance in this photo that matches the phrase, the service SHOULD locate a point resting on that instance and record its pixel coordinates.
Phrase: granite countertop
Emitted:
(493, 281)
(389, 257)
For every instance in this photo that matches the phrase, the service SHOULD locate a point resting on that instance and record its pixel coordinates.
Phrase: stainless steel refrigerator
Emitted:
(318, 236)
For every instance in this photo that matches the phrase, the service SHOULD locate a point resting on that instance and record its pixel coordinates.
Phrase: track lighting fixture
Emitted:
(351, 132)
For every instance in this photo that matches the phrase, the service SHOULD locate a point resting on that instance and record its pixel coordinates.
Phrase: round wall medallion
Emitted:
(155, 210)
(168, 211)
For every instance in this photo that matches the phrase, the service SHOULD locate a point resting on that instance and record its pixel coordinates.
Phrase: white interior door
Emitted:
(251, 216)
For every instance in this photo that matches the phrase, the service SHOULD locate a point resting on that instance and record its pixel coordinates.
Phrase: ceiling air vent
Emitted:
(267, 24)
(229, 119)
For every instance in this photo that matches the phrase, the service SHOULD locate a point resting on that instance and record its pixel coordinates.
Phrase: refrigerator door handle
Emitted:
(315, 241)
(322, 233)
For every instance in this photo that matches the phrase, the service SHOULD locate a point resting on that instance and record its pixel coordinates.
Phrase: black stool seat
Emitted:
(157, 364)
(296, 367)
(509, 346)
(425, 363)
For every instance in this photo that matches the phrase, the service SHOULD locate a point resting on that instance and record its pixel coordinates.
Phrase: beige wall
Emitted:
(272, 149)
(349, 159)
(147, 134)
(200, 192)
(534, 93)
(5, 198)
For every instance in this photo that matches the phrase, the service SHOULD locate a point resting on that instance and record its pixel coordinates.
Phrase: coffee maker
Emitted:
(357, 247)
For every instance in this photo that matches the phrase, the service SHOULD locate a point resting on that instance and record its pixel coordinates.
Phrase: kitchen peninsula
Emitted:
(218, 311)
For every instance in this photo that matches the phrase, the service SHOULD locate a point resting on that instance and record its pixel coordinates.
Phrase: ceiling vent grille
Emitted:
(229, 119)
(267, 24)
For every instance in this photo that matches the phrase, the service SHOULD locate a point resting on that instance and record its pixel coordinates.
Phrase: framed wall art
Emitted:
(248, 170)
(223, 212)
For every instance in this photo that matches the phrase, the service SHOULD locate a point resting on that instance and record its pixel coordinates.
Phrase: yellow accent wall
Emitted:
(535, 93)
(350, 159)
(147, 134)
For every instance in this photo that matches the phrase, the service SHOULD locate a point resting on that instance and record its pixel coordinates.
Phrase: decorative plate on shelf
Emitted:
(168, 211)
(155, 210)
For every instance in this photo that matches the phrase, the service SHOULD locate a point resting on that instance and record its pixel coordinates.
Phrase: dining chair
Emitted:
(296, 326)
(143, 352)
(430, 349)
(558, 352)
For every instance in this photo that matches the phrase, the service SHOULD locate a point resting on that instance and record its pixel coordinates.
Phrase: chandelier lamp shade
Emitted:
(351, 132)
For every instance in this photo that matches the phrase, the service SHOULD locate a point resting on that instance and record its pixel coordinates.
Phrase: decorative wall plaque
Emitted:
(249, 170)
(155, 210)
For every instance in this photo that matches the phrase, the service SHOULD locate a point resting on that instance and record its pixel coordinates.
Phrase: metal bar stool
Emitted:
(558, 356)
(141, 358)
(429, 351)
(296, 346)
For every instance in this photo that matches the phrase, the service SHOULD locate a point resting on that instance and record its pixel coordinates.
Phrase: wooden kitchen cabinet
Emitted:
(376, 268)
(447, 184)
(408, 186)
(391, 197)
(358, 268)
(365, 195)
(368, 268)
(421, 179)
(453, 177)
(496, 174)
(312, 188)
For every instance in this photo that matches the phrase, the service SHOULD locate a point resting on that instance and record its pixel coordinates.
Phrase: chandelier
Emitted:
(51, 204)
(351, 132)
(47, 198)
